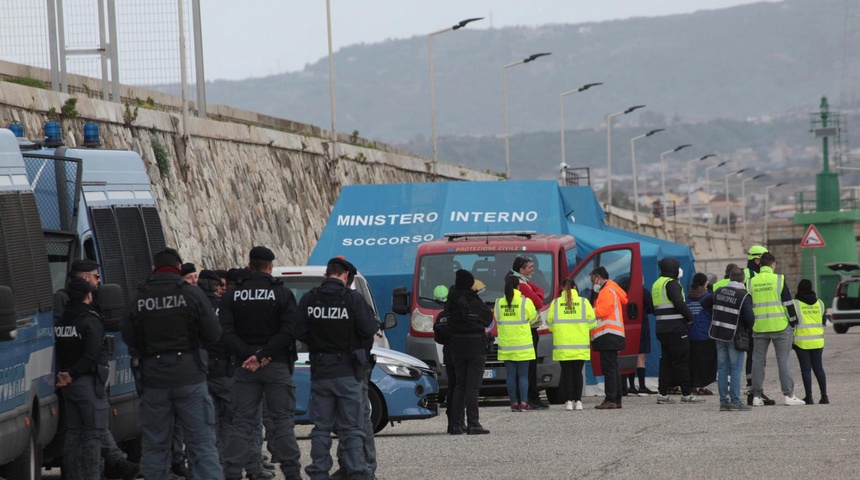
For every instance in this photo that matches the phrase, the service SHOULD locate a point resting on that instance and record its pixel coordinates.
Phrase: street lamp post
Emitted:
(609, 149)
(767, 207)
(708, 187)
(561, 103)
(744, 200)
(635, 182)
(458, 26)
(663, 180)
(728, 210)
(528, 59)
(331, 83)
(690, 186)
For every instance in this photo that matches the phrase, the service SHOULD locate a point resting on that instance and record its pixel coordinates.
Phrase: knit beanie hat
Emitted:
(804, 286)
(464, 279)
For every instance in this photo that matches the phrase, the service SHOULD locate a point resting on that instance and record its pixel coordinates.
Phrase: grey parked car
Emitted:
(846, 302)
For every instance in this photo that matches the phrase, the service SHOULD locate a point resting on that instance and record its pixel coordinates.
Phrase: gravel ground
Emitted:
(643, 439)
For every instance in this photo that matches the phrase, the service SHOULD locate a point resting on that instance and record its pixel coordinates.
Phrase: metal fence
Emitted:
(147, 38)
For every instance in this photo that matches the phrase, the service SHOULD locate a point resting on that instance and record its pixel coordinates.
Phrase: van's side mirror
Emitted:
(112, 306)
(390, 321)
(8, 317)
(633, 310)
(400, 301)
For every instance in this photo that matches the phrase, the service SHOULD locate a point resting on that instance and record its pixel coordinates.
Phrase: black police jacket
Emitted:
(336, 324)
(80, 340)
(258, 316)
(468, 316)
(171, 369)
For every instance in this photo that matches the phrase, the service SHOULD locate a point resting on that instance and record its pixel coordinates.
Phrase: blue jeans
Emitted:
(730, 362)
(517, 373)
(190, 406)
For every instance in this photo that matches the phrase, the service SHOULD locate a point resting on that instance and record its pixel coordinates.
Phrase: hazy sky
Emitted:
(255, 38)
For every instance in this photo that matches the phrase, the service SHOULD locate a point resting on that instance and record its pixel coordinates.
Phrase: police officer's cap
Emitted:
(85, 265)
(80, 284)
(261, 253)
(187, 268)
(167, 257)
(342, 262)
(209, 275)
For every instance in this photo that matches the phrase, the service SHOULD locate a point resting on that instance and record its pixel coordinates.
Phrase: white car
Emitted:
(302, 279)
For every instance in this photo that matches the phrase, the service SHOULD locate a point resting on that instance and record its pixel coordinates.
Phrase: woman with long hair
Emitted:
(514, 314)
(570, 319)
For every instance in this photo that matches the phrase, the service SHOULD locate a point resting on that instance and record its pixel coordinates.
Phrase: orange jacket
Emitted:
(609, 309)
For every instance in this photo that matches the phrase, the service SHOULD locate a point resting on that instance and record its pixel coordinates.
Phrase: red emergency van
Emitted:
(489, 256)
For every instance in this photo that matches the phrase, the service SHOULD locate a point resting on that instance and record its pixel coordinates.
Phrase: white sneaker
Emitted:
(757, 402)
(578, 405)
(792, 400)
(568, 405)
(692, 399)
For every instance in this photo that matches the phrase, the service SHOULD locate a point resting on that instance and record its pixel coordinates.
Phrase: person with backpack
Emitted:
(468, 317)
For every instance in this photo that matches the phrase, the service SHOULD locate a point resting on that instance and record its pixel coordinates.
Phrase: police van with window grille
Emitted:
(97, 204)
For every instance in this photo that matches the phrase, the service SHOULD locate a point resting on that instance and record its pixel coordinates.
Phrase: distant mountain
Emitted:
(739, 82)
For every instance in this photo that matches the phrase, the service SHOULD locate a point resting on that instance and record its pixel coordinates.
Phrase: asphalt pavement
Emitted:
(643, 439)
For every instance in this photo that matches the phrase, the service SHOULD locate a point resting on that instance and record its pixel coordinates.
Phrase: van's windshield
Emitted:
(488, 267)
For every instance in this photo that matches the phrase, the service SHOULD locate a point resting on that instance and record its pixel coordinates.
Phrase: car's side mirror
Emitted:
(112, 306)
(390, 321)
(400, 301)
(8, 317)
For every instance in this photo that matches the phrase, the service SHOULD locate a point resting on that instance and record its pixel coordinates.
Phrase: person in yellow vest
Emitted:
(809, 339)
(725, 280)
(514, 316)
(608, 337)
(570, 318)
(775, 319)
(753, 266)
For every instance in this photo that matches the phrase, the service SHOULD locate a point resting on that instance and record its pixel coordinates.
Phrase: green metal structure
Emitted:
(833, 216)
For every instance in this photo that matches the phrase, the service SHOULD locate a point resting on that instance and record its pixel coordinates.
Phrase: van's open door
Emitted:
(624, 264)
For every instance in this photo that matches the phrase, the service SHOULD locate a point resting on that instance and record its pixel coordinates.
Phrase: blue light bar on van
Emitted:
(91, 135)
(17, 129)
(53, 134)
(517, 233)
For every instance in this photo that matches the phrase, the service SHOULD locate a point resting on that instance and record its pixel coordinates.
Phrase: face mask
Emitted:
(597, 287)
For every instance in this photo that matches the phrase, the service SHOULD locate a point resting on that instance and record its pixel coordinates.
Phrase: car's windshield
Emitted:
(488, 267)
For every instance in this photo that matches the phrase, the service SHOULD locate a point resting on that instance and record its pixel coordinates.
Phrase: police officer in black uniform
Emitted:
(336, 329)
(219, 378)
(82, 373)
(115, 463)
(166, 325)
(258, 317)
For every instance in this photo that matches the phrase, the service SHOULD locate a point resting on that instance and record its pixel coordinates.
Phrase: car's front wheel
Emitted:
(840, 328)
(378, 415)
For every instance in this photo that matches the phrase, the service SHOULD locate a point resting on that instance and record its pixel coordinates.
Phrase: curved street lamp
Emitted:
(609, 149)
(728, 211)
(458, 26)
(561, 103)
(663, 169)
(528, 59)
(690, 186)
(744, 200)
(767, 207)
(635, 182)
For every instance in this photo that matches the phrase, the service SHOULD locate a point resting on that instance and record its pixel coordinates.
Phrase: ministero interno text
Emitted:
(430, 217)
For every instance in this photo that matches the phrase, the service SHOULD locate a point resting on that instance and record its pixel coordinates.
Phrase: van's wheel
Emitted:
(840, 328)
(378, 415)
(28, 465)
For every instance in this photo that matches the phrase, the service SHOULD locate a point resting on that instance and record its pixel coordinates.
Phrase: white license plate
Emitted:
(489, 374)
